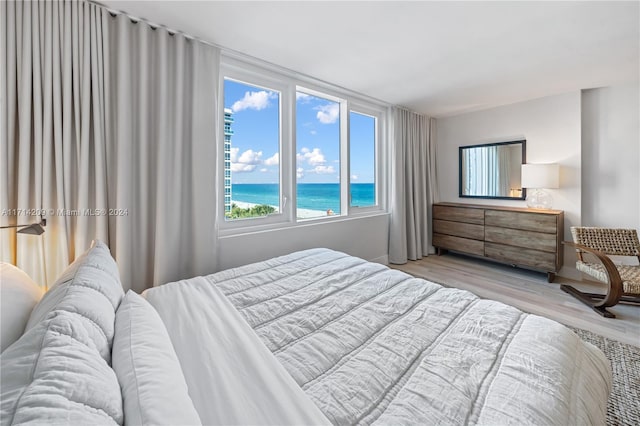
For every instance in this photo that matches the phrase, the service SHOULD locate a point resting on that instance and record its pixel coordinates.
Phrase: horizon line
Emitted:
(297, 183)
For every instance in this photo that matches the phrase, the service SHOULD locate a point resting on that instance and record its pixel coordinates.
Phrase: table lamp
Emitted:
(539, 177)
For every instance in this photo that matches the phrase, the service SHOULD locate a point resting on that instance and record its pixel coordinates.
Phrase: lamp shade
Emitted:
(541, 176)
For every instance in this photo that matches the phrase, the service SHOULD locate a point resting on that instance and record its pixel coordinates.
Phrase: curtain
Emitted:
(52, 154)
(163, 107)
(413, 185)
(111, 130)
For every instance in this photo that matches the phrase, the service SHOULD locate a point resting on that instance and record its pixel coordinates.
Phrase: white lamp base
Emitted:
(539, 199)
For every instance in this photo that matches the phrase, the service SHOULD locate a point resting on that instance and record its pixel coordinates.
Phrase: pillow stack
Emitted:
(59, 371)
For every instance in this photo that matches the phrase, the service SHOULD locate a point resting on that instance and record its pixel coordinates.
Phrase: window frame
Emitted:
(378, 115)
(249, 75)
(322, 94)
(288, 84)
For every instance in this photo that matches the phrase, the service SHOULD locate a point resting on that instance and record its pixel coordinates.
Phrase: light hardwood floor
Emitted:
(528, 291)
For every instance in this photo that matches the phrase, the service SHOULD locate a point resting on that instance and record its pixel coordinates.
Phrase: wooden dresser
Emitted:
(527, 238)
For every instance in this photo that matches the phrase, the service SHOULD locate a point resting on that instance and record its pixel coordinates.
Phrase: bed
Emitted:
(321, 337)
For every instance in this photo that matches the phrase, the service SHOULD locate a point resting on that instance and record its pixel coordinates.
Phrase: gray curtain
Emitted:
(111, 130)
(413, 185)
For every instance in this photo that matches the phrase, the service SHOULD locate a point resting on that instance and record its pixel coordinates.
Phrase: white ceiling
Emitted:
(438, 58)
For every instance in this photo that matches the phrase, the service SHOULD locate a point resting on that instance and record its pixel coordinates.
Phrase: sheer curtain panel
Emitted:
(110, 128)
(413, 186)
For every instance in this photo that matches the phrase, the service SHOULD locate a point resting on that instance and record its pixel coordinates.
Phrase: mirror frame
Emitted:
(523, 142)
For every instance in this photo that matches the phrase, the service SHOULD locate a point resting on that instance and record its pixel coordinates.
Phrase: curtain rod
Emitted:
(245, 57)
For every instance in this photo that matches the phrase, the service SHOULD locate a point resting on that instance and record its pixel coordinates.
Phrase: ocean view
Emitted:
(312, 196)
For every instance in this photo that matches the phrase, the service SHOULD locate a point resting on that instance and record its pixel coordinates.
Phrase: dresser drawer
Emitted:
(524, 239)
(464, 245)
(459, 229)
(538, 222)
(521, 256)
(459, 214)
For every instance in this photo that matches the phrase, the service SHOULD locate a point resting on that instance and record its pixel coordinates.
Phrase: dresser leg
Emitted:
(551, 276)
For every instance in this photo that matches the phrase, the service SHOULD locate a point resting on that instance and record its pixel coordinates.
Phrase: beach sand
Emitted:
(302, 213)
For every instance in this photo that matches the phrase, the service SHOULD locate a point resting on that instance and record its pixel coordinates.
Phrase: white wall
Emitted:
(611, 156)
(551, 127)
(365, 237)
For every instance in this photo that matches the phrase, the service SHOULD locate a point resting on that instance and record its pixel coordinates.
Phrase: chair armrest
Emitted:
(615, 290)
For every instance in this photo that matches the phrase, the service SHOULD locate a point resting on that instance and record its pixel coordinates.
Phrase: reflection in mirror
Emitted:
(492, 170)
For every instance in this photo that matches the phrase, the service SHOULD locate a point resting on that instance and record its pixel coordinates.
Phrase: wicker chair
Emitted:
(623, 280)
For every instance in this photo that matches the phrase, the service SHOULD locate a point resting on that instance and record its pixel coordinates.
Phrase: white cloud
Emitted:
(247, 161)
(313, 132)
(328, 114)
(234, 154)
(354, 177)
(250, 157)
(253, 100)
(264, 170)
(302, 97)
(242, 168)
(313, 158)
(274, 160)
(323, 170)
(299, 172)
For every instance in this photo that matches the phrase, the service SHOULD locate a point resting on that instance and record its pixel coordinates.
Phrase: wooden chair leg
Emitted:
(614, 290)
(603, 311)
(588, 299)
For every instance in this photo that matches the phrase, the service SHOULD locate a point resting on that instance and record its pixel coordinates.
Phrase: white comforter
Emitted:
(372, 345)
(232, 377)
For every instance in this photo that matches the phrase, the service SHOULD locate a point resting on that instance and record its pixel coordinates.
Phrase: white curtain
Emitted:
(114, 122)
(413, 185)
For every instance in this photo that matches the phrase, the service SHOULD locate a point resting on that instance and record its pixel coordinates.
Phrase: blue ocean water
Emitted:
(314, 196)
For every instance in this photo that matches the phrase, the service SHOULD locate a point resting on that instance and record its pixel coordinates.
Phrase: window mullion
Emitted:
(288, 159)
(345, 187)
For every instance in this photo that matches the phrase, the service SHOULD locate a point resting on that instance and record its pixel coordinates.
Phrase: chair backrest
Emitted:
(612, 241)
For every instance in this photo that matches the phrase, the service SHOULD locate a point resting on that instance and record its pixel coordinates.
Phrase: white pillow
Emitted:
(90, 287)
(18, 295)
(153, 386)
(54, 374)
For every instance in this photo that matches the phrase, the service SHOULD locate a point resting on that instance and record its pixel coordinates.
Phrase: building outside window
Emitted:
(228, 133)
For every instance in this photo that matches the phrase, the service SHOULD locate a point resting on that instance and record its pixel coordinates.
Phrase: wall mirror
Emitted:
(492, 170)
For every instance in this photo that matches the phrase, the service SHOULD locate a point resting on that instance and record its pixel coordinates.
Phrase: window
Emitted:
(317, 156)
(362, 157)
(251, 150)
(295, 152)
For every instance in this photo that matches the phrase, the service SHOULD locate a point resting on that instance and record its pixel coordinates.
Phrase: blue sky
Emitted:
(255, 151)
